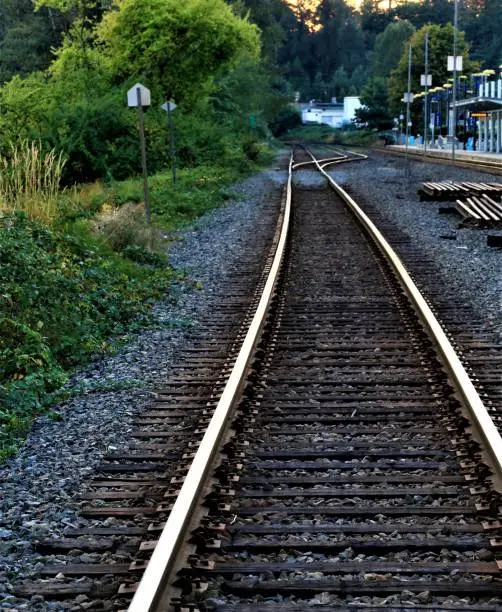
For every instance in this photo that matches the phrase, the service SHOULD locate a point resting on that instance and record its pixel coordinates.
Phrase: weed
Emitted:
(30, 181)
(124, 227)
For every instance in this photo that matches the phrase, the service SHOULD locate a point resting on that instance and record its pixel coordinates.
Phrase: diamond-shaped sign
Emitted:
(168, 106)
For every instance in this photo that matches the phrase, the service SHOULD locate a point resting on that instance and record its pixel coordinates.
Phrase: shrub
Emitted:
(288, 118)
(124, 227)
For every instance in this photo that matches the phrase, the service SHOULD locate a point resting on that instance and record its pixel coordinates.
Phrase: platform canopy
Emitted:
(480, 104)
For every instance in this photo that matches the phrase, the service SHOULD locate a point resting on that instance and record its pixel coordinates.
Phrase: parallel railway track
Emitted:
(491, 167)
(335, 464)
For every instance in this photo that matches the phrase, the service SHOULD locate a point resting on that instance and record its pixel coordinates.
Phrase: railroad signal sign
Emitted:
(459, 63)
(169, 106)
(139, 95)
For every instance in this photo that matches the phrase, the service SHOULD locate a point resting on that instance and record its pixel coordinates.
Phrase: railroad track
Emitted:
(333, 464)
(491, 167)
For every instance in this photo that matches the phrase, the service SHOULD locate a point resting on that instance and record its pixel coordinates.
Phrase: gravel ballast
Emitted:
(38, 484)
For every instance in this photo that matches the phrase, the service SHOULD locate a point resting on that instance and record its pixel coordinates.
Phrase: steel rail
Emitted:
(333, 160)
(461, 381)
(153, 583)
(483, 166)
(329, 161)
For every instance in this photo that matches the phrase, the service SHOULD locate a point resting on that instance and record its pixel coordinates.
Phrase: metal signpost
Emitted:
(139, 96)
(408, 98)
(169, 107)
(454, 64)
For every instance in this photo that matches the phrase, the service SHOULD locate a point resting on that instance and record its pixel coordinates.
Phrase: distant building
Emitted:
(335, 114)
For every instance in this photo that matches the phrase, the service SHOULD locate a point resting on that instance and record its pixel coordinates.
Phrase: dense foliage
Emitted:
(186, 51)
(64, 294)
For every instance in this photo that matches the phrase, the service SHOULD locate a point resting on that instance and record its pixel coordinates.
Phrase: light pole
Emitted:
(455, 24)
(434, 113)
(408, 98)
(454, 64)
(426, 81)
(449, 126)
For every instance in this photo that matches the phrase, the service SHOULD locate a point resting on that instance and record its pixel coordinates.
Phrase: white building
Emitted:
(335, 114)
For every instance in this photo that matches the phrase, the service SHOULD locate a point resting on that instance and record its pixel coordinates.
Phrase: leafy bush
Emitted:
(64, 294)
(287, 119)
(124, 227)
(356, 138)
(144, 256)
(312, 133)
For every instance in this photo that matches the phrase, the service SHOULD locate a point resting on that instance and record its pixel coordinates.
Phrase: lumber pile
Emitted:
(451, 190)
(480, 210)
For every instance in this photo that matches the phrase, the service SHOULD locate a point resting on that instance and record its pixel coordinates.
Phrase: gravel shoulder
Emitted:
(38, 484)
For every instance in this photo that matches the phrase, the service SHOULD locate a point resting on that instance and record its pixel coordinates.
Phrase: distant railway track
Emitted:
(330, 450)
(481, 165)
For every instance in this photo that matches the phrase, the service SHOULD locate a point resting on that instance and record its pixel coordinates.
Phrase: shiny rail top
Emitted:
(164, 556)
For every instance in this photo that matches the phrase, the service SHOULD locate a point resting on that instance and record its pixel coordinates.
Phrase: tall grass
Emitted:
(30, 180)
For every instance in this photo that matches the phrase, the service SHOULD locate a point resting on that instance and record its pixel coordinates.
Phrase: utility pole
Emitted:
(426, 88)
(408, 101)
(455, 27)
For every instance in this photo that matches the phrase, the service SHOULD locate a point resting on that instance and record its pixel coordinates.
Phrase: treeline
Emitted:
(334, 49)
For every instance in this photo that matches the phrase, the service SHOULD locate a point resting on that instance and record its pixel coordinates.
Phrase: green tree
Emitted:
(340, 84)
(375, 112)
(91, 9)
(298, 78)
(358, 79)
(275, 20)
(439, 12)
(339, 41)
(483, 26)
(440, 46)
(176, 47)
(26, 37)
(373, 22)
(389, 47)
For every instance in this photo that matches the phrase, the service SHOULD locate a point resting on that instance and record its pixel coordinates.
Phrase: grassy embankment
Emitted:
(76, 273)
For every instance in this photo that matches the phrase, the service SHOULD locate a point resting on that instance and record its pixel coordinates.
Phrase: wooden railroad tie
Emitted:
(451, 190)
